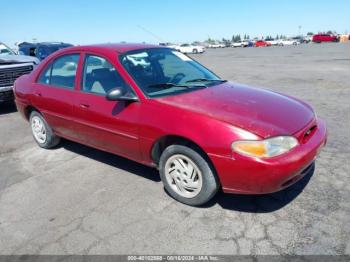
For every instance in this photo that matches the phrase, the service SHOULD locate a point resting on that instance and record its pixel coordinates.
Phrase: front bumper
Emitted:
(247, 175)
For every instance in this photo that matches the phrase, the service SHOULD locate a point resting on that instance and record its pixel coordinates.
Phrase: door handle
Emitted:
(37, 94)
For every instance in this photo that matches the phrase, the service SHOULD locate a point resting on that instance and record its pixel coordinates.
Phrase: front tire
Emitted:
(187, 176)
(42, 132)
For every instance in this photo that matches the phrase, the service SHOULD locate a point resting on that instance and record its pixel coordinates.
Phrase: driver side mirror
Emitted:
(120, 94)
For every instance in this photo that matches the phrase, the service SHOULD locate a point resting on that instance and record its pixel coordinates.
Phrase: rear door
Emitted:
(54, 91)
(107, 125)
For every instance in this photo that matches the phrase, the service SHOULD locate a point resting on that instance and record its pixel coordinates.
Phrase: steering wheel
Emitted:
(177, 78)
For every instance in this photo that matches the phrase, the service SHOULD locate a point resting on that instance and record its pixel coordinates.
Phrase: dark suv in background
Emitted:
(41, 50)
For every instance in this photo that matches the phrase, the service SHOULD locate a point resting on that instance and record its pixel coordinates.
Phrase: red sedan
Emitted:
(262, 43)
(159, 107)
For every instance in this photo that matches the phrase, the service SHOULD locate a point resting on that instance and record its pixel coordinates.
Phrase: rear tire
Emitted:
(42, 132)
(187, 176)
(195, 51)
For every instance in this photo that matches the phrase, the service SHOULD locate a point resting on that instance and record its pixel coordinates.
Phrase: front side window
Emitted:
(164, 71)
(100, 76)
(64, 71)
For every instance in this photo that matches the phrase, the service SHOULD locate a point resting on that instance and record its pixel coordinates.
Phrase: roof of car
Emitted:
(43, 43)
(120, 48)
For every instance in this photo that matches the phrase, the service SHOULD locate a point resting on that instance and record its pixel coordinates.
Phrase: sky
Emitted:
(176, 21)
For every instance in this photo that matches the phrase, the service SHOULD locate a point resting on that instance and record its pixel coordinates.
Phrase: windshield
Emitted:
(4, 50)
(163, 71)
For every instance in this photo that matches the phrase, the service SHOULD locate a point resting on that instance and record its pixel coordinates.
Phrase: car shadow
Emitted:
(243, 203)
(7, 108)
(112, 160)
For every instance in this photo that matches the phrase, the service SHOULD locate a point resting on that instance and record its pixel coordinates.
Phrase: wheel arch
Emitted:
(167, 140)
(28, 110)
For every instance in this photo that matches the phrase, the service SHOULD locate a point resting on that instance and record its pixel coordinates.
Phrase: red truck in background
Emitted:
(319, 38)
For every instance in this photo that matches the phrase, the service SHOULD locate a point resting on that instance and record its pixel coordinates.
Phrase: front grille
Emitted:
(6, 96)
(9, 75)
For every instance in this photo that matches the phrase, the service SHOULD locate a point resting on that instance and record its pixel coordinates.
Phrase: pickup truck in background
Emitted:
(12, 66)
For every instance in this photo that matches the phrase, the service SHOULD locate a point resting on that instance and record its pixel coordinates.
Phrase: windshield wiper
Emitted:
(170, 85)
(205, 80)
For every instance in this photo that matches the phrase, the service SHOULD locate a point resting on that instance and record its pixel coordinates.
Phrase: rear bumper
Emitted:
(247, 175)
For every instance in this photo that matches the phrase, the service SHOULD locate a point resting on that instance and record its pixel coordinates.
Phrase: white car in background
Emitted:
(237, 44)
(272, 41)
(284, 42)
(190, 49)
(217, 45)
(240, 44)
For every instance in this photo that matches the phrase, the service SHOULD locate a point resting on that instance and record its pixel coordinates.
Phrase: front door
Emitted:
(108, 125)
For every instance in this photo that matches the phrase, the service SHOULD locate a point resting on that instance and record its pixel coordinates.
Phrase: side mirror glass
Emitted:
(120, 94)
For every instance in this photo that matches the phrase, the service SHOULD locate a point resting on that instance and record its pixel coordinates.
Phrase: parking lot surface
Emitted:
(78, 200)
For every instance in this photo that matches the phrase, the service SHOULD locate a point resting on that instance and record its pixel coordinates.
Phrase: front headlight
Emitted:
(270, 147)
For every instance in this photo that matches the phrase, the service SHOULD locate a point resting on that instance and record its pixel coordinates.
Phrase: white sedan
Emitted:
(284, 42)
(240, 44)
(190, 49)
(237, 44)
(273, 42)
(217, 45)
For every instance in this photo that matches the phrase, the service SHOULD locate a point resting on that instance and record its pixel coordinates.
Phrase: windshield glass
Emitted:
(4, 50)
(163, 71)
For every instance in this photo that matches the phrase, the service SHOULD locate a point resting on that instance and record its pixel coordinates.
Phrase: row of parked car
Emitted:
(197, 48)
(318, 38)
(267, 42)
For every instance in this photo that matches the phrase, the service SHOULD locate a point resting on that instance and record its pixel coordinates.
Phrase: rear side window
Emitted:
(61, 72)
(64, 70)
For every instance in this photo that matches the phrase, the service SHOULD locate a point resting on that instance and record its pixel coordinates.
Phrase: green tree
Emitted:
(238, 38)
(210, 40)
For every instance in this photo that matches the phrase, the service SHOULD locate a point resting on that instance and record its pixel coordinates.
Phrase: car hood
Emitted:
(16, 59)
(260, 111)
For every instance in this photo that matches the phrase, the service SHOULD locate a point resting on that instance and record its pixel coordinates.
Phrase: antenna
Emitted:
(150, 33)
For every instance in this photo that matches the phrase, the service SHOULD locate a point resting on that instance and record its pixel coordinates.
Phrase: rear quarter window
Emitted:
(44, 77)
